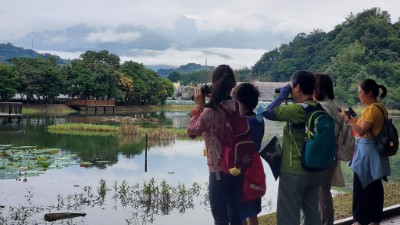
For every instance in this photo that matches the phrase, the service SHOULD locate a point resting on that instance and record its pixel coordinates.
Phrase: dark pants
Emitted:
(325, 196)
(225, 197)
(368, 202)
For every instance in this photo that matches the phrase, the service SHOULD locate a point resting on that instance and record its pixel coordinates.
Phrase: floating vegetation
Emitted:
(23, 161)
(126, 129)
(131, 120)
(83, 127)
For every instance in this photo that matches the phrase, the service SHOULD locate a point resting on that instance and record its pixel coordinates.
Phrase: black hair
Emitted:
(323, 87)
(368, 85)
(305, 80)
(223, 80)
(247, 94)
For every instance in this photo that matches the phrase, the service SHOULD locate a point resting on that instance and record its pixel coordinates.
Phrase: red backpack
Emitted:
(254, 185)
(239, 147)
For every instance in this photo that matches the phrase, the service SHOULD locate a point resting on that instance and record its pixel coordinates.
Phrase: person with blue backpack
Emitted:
(246, 94)
(224, 189)
(369, 167)
(298, 188)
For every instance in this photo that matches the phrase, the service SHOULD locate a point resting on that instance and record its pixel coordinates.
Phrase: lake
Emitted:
(105, 177)
(115, 164)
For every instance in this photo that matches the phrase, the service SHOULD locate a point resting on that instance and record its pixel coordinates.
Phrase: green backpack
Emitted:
(319, 146)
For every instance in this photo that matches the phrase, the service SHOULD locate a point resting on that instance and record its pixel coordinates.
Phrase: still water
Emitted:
(104, 176)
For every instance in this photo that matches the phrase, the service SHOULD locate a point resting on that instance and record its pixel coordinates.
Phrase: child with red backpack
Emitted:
(246, 94)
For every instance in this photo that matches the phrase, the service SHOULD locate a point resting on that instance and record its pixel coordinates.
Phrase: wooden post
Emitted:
(145, 156)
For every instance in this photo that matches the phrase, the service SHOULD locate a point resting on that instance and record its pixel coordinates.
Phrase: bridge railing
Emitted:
(10, 108)
(84, 102)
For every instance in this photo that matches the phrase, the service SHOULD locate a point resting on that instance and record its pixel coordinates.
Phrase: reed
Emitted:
(124, 130)
(82, 127)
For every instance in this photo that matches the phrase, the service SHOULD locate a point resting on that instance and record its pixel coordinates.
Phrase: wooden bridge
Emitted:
(11, 110)
(83, 104)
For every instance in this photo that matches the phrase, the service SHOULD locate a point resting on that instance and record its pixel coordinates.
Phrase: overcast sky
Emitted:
(172, 32)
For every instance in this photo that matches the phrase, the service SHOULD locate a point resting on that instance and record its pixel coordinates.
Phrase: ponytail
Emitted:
(368, 85)
(384, 91)
(223, 80)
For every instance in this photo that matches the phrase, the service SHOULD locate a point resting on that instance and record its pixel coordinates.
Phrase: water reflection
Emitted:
(173, 167)
(142, 201)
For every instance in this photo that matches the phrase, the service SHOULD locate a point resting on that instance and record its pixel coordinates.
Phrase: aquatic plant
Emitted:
(142, 202)
(125, 129)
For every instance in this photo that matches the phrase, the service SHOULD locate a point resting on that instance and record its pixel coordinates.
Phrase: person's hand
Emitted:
(198, 98)
(285, 92)
(343, 115)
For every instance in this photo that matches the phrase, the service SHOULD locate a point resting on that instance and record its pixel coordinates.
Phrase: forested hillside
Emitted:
(9, 51)
(366, 45)
(185, 69)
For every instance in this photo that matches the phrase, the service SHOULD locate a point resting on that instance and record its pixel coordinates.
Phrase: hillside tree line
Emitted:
(366, 45)
(95, 75)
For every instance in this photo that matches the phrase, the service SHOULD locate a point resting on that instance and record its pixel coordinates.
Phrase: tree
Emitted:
(39, 77)
(9, 82)
(174, 76)
(103, 66)
(148, 87)
(79, 80)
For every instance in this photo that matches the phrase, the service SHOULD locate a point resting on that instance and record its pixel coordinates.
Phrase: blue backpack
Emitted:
(319, 146)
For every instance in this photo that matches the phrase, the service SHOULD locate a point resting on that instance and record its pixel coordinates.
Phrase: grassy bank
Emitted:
(342, 204)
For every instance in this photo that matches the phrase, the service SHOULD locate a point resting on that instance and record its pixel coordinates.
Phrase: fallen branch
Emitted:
(60, 216)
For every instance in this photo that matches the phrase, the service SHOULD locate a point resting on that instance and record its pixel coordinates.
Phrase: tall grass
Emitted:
(126, 129)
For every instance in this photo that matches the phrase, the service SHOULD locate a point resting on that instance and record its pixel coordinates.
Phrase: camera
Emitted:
(350, 112)
(205, 90)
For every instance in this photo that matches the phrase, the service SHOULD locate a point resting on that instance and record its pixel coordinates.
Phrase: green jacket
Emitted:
(293, 138)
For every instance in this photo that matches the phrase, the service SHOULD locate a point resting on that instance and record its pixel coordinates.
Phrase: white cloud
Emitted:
(112, 36)
(237, 58)
(62, 54)
(183, 22)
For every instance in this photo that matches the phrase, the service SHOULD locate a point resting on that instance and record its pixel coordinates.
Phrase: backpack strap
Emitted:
(383, 112)
(214, 158)
(384, 118)
(307, 108)
(228, 110)
(214, 150)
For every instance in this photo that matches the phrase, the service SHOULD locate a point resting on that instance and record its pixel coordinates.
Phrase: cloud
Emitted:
(110, 35)
(237, 58)
(175, 27)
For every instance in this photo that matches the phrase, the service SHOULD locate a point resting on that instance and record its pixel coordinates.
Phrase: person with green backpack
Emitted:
(298, 188)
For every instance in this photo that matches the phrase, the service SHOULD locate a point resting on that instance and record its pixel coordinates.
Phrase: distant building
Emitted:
(267, 90)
